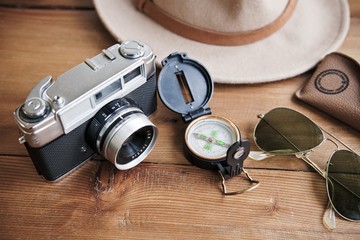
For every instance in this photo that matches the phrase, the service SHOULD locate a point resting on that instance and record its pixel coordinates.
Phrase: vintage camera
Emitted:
(99, 106)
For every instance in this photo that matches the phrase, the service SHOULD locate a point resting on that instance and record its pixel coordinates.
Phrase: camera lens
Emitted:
(135, 145)
(122, 133)
(130, 141)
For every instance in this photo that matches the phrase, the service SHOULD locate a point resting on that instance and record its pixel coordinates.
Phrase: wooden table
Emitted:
(165, 197)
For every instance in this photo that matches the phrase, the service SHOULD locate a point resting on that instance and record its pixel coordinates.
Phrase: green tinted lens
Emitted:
(343, 183)
(285, 131)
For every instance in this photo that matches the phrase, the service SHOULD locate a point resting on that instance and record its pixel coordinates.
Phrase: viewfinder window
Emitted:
(108, 91)
(131, 75)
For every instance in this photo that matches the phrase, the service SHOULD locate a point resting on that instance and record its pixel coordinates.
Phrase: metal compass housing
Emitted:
(211, 142)
(209, 137)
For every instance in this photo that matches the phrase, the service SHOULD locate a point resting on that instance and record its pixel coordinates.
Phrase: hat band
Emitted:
(212, 37)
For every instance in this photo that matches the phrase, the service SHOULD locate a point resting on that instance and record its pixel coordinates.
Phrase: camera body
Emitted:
(99, 106)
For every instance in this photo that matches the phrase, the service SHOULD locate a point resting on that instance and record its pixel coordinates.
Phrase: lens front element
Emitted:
(135, 145)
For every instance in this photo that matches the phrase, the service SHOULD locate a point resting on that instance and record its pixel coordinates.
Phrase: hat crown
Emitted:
(309, 30)
(224, 15)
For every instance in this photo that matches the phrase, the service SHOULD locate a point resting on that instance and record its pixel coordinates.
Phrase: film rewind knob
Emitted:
(132, 49)
(35, 108)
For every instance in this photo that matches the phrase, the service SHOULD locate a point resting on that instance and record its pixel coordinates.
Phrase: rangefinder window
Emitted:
(131, 75)
(108, 91)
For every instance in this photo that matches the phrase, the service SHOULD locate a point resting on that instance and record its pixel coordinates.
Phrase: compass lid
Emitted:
(185, 86)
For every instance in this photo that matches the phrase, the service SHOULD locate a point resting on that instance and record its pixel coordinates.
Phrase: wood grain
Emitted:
(165, 196)
(152, 202)
(74, 4)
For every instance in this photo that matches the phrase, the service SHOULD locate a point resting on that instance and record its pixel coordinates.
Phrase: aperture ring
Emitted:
(105, 115)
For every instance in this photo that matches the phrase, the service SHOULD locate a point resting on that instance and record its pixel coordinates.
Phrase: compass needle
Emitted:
(200, 136)
(211, 136)
(212, 139)
(221, 143)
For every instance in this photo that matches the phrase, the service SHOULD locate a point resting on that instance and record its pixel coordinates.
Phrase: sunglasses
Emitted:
(283, 131)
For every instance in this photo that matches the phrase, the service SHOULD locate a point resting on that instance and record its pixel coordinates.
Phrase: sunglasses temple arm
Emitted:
(259, 155)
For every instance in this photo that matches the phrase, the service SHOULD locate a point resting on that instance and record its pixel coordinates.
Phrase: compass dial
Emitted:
(209, 137)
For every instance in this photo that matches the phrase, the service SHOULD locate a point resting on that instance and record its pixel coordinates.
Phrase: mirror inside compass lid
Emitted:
(185, 86)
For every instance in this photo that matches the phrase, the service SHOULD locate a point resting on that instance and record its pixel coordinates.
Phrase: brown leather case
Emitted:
(335, 89)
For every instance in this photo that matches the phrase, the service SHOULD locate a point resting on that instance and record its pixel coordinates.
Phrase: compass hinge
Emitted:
(195, 114)
(230, 171)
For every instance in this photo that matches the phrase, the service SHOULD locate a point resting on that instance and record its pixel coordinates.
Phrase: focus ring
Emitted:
(103, 115)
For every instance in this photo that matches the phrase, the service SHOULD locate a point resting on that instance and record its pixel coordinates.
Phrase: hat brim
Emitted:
(315, 29)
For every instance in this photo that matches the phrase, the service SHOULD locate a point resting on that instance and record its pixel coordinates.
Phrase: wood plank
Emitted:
(162, 201)
(48, 3)
(354, 8)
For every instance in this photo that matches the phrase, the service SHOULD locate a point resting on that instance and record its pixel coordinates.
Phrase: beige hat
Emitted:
(239, 41)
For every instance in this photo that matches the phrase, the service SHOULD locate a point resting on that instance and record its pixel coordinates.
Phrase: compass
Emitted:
(214, 142)
(209, 137)
(211, 142)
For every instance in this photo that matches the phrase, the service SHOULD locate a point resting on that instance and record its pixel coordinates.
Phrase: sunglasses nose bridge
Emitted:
(336, 145)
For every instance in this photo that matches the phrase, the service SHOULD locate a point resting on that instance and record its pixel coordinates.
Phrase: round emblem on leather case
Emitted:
(331, 81)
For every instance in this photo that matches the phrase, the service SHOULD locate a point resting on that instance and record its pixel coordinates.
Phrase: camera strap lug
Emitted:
(22, 139)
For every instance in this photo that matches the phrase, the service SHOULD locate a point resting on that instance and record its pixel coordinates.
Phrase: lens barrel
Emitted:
(122, 133)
